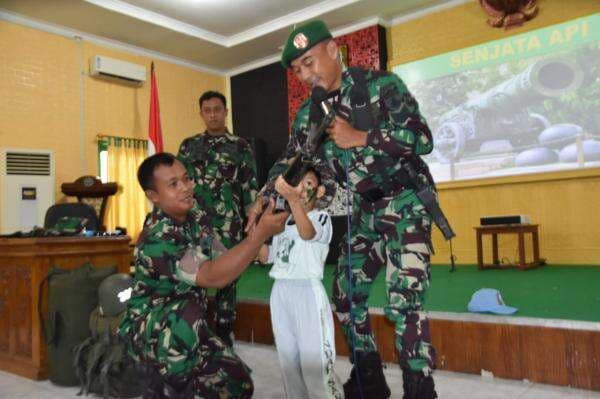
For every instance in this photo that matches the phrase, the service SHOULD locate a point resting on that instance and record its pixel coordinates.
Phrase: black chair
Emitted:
(76, 209)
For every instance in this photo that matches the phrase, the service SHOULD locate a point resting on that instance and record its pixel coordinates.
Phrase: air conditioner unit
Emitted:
(26, 188)
(110, 67)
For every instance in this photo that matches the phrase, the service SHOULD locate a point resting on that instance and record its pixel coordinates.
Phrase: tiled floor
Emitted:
(263, 360)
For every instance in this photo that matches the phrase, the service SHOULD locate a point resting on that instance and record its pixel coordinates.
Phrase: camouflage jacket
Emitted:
(224, 170)
(399, 132)
(156, 292)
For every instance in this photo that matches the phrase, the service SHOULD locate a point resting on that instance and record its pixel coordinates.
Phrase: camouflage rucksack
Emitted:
(101, 361)
(70, 225)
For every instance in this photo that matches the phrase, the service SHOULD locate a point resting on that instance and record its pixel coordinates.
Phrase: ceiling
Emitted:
(221, 36)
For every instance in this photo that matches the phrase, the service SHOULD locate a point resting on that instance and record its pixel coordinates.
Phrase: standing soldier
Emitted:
(378, 133)
(223, 168)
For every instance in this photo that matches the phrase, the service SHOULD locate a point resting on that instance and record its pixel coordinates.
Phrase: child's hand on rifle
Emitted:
(291, 194)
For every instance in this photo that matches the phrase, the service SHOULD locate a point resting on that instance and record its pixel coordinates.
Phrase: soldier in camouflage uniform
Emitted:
(223, 167)
(390, 225)
(165, 325)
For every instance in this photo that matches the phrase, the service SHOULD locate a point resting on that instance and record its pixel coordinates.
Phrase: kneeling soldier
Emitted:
(175, 261)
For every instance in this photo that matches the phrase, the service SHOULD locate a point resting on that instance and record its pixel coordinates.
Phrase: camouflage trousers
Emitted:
(177, 341)
(394, 233)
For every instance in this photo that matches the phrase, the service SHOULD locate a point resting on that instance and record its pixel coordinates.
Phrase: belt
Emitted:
(376, 193)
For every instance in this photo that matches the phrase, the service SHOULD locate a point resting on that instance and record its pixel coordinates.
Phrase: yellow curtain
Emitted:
(127, 208)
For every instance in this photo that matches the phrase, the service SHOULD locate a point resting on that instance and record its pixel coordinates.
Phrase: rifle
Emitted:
(427, 197)
(303, 160)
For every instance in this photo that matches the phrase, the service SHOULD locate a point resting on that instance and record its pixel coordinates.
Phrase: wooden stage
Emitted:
(557, 352)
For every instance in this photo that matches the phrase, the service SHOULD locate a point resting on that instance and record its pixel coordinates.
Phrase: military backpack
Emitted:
(72, 295)
(101, 362)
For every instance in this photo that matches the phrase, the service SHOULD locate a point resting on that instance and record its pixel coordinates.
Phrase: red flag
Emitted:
(154, 129)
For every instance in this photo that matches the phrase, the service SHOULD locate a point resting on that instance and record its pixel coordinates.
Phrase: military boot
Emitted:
(366, 378)
(153, 380)
(225, 332)
(179, 391)
(178, 388)
(417, 385)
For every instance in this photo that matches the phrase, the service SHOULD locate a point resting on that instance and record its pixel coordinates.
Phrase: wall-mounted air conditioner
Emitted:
(110, 67)
(26, 188)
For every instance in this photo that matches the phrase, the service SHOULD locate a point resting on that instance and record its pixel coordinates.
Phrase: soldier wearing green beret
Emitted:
(165, 325)
(223, 169)
(377, 130)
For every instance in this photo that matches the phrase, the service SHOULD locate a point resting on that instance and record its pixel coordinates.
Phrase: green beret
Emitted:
(302, 39)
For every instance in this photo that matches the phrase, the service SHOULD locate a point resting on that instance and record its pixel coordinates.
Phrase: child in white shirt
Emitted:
(300, 311)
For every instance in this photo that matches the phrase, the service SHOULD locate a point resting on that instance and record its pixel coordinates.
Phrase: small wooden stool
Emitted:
(521, 230)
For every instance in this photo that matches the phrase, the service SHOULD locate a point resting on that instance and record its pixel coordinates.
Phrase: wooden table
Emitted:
(520, 230)
(24, 262)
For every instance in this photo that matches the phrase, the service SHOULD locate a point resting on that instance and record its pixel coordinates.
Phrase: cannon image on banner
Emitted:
(502, 111)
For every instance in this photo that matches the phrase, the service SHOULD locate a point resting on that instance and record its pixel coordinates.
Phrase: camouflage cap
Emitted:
(70, 224)
(302, 39)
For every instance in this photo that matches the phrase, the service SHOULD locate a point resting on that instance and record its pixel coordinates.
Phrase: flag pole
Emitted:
(155, 142)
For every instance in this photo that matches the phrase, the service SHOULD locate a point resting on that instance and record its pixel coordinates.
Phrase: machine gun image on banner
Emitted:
(503, 110)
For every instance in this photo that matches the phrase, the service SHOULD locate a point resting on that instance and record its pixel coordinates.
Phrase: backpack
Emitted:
(101, 362)
(72, 295)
